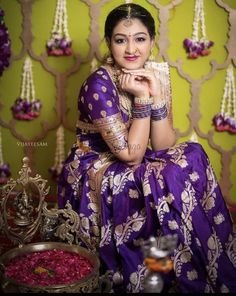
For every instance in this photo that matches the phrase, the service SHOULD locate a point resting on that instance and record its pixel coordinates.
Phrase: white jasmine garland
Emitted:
(60, 152)
(60, 27)
(228, 103)
(199, 18)
(27, 87)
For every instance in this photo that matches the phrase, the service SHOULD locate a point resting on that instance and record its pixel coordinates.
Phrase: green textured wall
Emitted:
(58, 79)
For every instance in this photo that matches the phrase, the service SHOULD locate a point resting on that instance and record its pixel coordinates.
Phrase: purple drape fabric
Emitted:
(171, 191)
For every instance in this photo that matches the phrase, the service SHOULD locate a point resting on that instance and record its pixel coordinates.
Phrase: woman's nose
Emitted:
(130, 48)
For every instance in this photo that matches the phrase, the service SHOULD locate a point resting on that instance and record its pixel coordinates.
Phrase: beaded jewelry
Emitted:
(56, 169)
(158, 105)
(196, 46)
(144, 101)
(5, 172)
(226, 119)
(26, 107)
(60, 42)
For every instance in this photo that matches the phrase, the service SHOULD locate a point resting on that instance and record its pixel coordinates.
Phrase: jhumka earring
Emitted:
(109, 60)
(151, 57)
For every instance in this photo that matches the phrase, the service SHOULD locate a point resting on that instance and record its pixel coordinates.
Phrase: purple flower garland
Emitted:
(5, 54)
(5, 44)
(25, 110)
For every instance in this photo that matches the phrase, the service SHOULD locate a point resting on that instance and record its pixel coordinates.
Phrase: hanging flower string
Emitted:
(226, 119)
(5, 172)
(5, 44)
(60, 42)
(56, 169)
(26, 107)
(198, 46)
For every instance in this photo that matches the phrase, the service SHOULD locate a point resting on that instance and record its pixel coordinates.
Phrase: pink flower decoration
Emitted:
(48, 268)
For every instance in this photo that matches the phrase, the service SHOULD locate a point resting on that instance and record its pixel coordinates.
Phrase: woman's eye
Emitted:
(140, 39)
(120, 40)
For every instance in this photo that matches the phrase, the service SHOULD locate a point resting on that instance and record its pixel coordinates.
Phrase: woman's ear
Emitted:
(108, 42)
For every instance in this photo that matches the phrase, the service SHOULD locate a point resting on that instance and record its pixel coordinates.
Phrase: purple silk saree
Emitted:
(171, 191)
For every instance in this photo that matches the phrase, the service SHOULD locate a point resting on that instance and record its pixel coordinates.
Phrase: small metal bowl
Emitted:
(87, 284)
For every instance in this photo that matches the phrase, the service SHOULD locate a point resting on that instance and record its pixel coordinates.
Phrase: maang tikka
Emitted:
(128, 21)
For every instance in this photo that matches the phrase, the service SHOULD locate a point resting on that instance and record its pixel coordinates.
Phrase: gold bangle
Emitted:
(143, 101)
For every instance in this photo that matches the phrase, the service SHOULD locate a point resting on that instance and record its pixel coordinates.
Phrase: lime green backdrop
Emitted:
(197, 85)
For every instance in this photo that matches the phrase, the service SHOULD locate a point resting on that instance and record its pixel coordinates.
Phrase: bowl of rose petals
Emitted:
(50, 267)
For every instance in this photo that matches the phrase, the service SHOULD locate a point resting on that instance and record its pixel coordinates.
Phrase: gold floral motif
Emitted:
(133, 193)
(173, 225)
(96, 96)
(153, 168)
(177, 153)
(103, 113)
(136, 279)
(105, 77)
(120, 180)
(218, 219)
(104, 89)
(132, 224)
(189, 202)
(208, 200)
(214, 251)
(90, 106)
(182, 255)
(71, 179)
(82, 99)
(109, 103)
(106, 231)
(194, 176)
(231, 246)
(192, 275)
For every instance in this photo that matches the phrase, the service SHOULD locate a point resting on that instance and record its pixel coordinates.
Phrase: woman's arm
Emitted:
(162, 134)
(137, 142)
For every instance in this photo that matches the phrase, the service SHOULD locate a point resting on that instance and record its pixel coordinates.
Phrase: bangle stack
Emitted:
(142, 107)
(158, 111)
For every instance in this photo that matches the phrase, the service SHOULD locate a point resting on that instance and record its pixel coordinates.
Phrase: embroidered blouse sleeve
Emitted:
(100, 103)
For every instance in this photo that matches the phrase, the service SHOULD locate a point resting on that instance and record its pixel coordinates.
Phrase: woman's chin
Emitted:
(133, 66)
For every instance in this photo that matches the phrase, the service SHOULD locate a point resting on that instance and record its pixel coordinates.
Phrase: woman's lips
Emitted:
(131, 58)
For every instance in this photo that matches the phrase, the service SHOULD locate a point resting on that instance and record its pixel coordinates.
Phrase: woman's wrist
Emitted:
(158, 104)
(158, 111)
(143, 100)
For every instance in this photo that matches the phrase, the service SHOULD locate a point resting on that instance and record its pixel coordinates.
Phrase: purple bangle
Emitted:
(159, 114)
(141, 111)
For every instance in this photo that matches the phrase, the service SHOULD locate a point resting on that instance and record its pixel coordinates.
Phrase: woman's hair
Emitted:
(129, 11)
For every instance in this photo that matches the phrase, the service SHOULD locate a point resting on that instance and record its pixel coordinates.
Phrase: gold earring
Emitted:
(151, 57)
(109, 60)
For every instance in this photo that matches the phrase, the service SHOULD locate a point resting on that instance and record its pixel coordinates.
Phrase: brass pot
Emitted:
(87, 284)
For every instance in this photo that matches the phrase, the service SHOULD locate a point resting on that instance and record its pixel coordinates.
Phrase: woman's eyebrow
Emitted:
(125, 35)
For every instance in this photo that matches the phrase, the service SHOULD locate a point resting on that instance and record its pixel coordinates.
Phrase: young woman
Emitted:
(126, 178)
